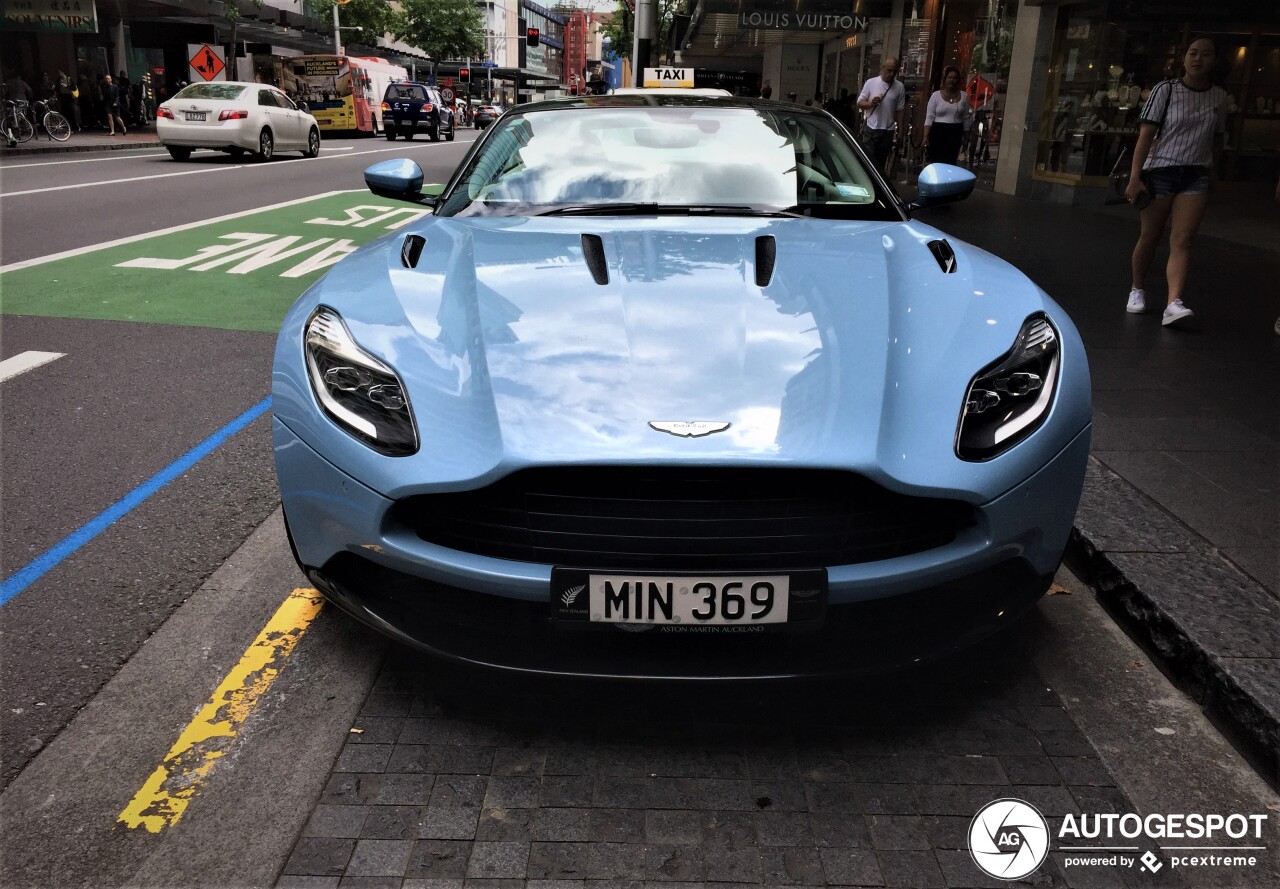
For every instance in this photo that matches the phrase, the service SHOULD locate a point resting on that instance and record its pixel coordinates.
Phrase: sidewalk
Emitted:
(1178, 526)
(89, 140)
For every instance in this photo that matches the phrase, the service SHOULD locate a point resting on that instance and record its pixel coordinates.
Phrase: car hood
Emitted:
(857, 352)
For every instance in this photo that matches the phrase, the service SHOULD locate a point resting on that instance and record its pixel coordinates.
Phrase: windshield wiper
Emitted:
(656, 209)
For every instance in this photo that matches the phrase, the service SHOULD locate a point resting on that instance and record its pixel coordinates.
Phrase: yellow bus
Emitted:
(342, 92)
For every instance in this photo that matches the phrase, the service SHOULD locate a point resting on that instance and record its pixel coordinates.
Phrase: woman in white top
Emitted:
(1169, 176)
(946, 119)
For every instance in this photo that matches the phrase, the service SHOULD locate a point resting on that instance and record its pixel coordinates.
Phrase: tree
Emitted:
(232, 12)
(620, 28)
(443, 29)
(363, 22)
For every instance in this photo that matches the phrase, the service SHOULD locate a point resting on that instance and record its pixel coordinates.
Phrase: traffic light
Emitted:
(533, 35)
(464, 75)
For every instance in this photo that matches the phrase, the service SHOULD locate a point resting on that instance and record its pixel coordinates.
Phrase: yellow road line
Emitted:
(211, 734)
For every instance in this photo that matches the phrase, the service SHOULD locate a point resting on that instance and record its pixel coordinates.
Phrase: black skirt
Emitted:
(944, 143)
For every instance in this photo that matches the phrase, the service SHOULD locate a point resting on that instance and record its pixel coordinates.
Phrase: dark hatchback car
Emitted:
(409, 108)
(485, 115)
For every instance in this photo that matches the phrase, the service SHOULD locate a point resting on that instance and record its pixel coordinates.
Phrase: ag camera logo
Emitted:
(1008, 839)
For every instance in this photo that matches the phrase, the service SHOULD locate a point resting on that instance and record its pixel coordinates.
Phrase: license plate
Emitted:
(196, 115)
(688, 602)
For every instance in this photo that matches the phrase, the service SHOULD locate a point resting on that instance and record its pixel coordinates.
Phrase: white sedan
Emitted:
(235, 117)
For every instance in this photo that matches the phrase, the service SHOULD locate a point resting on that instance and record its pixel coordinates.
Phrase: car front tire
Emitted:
(313, 144)
(391, 134)
(179, 154)
(266, 145)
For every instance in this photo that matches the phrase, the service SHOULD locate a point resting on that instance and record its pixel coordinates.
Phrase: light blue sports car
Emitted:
(674, 386)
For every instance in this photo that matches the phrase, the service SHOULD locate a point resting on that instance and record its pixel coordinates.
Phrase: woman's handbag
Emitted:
(1118, 181)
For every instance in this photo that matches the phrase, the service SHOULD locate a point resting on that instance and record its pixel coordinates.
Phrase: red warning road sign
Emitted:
(205, 62)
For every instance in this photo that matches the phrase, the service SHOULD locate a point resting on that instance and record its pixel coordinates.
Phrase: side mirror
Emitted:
(942, 184)
(399, 179)
(302, 106)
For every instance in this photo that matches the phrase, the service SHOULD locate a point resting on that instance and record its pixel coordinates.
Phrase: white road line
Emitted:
(122, 156)
(78, 251)
(25, 361)
(258, 166)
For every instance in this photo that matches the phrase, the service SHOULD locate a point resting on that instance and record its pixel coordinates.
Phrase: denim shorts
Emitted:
(1164, 182)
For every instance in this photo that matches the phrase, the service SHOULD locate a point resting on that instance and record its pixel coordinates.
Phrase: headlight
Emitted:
(359, 392)
(1009, 400)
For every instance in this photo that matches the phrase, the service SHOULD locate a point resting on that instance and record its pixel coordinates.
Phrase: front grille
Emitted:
(684, 519)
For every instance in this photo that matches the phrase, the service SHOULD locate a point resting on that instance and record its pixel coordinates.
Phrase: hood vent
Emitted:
(944, 254)
(411, 251)
(593, 253)
(766, 256)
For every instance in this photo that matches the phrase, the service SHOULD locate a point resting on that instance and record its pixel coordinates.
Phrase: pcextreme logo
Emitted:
(1009, 839)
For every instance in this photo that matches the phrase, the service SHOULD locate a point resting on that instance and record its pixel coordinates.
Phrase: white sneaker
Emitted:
(1176, 313)
(1137, 301)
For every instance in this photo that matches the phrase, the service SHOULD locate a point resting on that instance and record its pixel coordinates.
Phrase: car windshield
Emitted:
(406, 92)
(211, 91)
(667, 159)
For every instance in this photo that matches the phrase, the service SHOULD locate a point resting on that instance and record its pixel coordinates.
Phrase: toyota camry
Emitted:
(676, 386)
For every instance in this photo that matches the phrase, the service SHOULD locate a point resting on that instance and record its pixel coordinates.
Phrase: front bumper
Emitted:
(496, 612)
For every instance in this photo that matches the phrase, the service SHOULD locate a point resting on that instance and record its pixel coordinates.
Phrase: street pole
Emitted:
(645, 25)
(337, 33)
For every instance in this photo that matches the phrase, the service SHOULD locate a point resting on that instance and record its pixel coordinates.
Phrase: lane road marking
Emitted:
(211, 735)
(124, 156)
(25, 361)
(220, 169)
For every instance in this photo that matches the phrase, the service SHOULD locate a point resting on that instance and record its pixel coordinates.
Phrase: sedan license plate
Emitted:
(197, 115)
(688, 602)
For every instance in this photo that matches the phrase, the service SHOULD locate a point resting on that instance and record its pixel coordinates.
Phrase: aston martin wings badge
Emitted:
(689, 428)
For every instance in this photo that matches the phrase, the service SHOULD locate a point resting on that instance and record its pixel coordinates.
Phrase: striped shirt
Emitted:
(1188, 120)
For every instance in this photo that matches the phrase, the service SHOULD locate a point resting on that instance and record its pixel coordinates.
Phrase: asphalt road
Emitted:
(127, 401)
(106, 656)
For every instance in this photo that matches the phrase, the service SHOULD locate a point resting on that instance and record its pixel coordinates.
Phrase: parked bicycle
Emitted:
(16, 124)
(52, 122)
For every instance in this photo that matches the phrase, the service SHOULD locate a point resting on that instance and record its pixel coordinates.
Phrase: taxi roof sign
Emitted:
(669, 77)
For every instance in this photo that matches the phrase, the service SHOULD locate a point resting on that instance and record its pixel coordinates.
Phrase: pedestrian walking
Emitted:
(883, 98)
(1169, 175)
(946, 119)
(766, 91)
(111, 106)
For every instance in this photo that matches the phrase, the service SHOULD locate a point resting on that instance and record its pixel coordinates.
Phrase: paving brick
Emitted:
(519, 761)
(959, 871)
(1099, 800)
(771, 763)
(348, 789)
(961, 801)
(615, 792)
(833, 798)
(723, 764)
(1083, 770)
(913, 769)
(1012, 741)
(671, 793)
(732, 864)
(568, 761)
(728, 829)
(363, 757)
(433, 884)
(886, 799)
(507, 825)
(566, 791)
(947, 832)
(897, 832)
(375, 730)
(723, 794)
(840, 831)
(851, 867)
(380, 858)
(507, 861)
(1064, 743)
(466, 760)
(420, 759)
(617, 825)
(393, 823)
(1030, 770)
(781, 795)
(783, 829)
(511, 792)
(387, 704)
(404, 790)
(668, 827)
(824, 767)
(320, 856)
(561, 825)
(594, 861)
(426, 730)
(449, 823)
(336, 821)
(912, 870)
(666, 862)
(436, 859)
(1050, 801)
(298, 881)
(973, 769)
(791, 866)
(459, 790)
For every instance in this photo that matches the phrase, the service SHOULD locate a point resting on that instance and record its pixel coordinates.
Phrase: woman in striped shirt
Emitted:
(1169, 177)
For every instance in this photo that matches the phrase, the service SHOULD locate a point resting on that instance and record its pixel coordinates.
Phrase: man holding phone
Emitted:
(883, 99)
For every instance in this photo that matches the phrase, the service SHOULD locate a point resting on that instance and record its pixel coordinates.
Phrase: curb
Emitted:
(68, 148)
(1209, 626)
